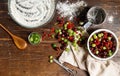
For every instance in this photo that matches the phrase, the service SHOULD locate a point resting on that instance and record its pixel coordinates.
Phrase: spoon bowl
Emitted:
(20, 43)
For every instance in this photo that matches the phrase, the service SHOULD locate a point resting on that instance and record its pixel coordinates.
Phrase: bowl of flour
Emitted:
(31, 13)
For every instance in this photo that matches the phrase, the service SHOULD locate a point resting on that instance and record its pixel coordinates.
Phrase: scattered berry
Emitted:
(51, 61)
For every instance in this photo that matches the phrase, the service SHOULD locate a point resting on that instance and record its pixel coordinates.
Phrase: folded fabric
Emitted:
(81, 58)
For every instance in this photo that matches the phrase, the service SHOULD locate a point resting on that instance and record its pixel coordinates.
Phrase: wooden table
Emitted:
(33, 61)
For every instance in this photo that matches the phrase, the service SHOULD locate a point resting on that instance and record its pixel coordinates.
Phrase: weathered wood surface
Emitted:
(34, 60)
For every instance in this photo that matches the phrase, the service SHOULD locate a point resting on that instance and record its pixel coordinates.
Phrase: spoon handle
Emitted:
(6, 30)
(87, 25)
(72, 72)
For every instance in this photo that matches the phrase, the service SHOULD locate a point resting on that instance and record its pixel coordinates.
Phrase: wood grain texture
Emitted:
(33, 61)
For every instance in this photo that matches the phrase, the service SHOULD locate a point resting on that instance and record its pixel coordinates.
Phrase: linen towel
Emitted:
(80, 58)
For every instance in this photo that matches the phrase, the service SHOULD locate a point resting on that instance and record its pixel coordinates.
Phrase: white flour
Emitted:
(31, 13)
(67, 9)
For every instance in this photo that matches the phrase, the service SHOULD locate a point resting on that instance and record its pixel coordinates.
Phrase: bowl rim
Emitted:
(117, 46)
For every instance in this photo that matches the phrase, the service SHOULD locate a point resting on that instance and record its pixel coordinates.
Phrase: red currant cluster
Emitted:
(69, 34)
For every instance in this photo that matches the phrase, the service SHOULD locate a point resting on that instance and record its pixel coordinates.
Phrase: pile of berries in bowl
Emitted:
(102, 44)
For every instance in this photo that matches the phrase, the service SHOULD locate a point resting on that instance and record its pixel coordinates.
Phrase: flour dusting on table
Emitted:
(67, 9)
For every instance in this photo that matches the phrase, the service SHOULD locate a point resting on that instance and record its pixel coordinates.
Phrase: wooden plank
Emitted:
(34, 61)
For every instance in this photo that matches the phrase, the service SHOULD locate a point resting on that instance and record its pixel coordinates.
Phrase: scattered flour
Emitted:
(67, 9)
(31, 13)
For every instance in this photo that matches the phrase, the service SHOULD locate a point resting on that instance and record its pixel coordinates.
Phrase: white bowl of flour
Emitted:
(31, 13)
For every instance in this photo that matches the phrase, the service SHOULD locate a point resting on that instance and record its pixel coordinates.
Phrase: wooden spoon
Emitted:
(19, 42)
